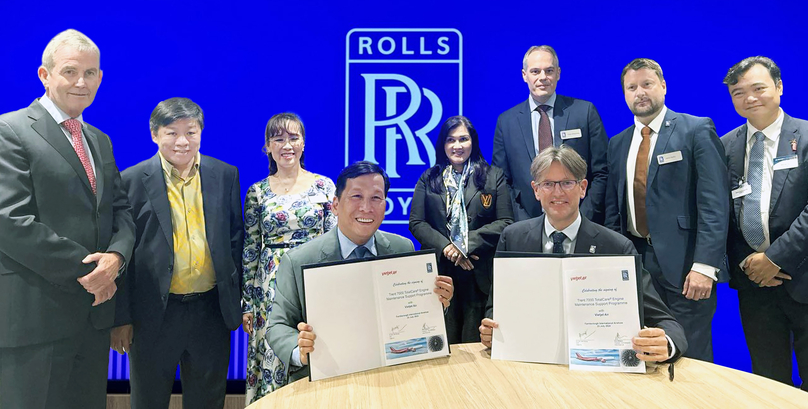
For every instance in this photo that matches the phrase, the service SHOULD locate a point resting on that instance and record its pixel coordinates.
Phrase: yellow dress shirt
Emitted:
(193, 267)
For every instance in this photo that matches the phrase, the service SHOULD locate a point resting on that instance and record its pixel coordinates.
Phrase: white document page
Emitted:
(341, 309)
(602, 313)
(411, 315)
(529, 308)
(373, 313)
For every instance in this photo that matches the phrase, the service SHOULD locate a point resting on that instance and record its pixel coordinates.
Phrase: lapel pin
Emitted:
(667, 123)
(592, 249)
(794, 145)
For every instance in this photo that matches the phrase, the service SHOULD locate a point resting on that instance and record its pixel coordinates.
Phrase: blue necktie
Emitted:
(359, 253)
(558, 242)
(752, 223)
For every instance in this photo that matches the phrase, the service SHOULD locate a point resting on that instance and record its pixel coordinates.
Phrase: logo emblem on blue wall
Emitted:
(400, 85)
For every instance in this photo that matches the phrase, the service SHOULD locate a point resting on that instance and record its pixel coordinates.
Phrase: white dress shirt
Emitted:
(631, 161)
(571, 232)
(535, 118)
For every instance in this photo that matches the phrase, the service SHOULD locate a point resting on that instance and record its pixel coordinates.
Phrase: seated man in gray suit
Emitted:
(559, 184)
(359, 206)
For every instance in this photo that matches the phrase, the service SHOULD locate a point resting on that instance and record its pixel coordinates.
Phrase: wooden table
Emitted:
(470, 379)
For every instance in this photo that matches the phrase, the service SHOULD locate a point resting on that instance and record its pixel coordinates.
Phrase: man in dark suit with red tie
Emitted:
(544, 120)
(67, 232)
(767, 247)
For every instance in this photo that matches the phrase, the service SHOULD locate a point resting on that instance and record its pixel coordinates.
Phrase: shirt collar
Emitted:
(656, 124)
(171, 171)
(57, 114)
(534, 105)
(771, 132)
(571, 231)
(346, 246)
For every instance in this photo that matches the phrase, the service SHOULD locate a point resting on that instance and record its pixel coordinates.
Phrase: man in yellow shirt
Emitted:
(182, 293)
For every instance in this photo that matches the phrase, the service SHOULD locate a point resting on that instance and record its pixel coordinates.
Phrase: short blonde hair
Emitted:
(68, 38)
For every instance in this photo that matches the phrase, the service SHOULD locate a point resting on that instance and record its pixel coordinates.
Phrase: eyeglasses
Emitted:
(281, 141)
(549, 186)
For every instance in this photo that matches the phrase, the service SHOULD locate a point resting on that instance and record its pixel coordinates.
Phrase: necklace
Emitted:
(283, 185)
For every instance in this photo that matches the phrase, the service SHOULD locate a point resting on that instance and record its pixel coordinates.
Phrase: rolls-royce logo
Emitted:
(400, 85)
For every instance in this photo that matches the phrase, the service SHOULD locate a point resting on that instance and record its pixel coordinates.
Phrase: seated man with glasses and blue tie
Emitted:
(559, 183)
(359, 206)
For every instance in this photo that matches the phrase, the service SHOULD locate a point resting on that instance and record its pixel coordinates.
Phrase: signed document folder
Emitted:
(577, 310)
(373, 313)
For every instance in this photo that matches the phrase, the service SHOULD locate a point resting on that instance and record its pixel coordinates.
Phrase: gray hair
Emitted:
(545, 48)
(173, 109)
(564, 155)
(68, 38)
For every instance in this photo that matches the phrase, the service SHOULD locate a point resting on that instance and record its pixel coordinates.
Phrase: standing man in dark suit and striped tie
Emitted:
(767, 246)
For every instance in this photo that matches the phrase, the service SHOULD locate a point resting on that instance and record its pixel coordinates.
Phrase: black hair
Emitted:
(479, 166)
(742, 67)
(358, 169)
(173, 109)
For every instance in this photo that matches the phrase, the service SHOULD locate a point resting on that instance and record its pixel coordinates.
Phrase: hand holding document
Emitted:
(375, 313)
(577, 310)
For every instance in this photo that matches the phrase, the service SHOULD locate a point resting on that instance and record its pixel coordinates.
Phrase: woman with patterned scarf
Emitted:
(459, 208)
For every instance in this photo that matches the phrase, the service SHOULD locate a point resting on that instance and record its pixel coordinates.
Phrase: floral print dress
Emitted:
(273, 224)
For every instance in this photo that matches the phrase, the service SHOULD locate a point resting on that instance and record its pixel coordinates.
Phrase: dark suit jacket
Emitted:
(788, 210)
(525, 236)
(488, 211)
(514, 152)
(145, 295)
(289, 306)
(686, 201)
(50, 220)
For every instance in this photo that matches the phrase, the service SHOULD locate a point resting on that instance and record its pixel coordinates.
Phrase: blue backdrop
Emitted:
(368, 93)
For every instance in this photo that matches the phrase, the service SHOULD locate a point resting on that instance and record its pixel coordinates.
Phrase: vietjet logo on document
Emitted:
(400, 85)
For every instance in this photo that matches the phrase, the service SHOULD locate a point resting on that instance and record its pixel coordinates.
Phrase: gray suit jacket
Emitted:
(788, 210)
(526, 236)
(49, 221)
(289, 305)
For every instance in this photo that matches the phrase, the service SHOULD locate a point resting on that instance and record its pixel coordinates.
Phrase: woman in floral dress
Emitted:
(288, 208)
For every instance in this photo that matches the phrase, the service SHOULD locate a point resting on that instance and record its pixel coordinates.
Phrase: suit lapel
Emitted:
(330, 249)
(665, 132)
(382, 244)
(211, 188)
(49, 130)
(527, 129)
(788, 132)
(737, 157)
(155, 185)
(470, 191)
(92, 142)
(560, 118)
(585, 241)
(624, 143)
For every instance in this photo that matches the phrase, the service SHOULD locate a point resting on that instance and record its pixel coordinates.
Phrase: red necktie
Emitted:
(640, 179)
(74, 126)
(545, 136)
